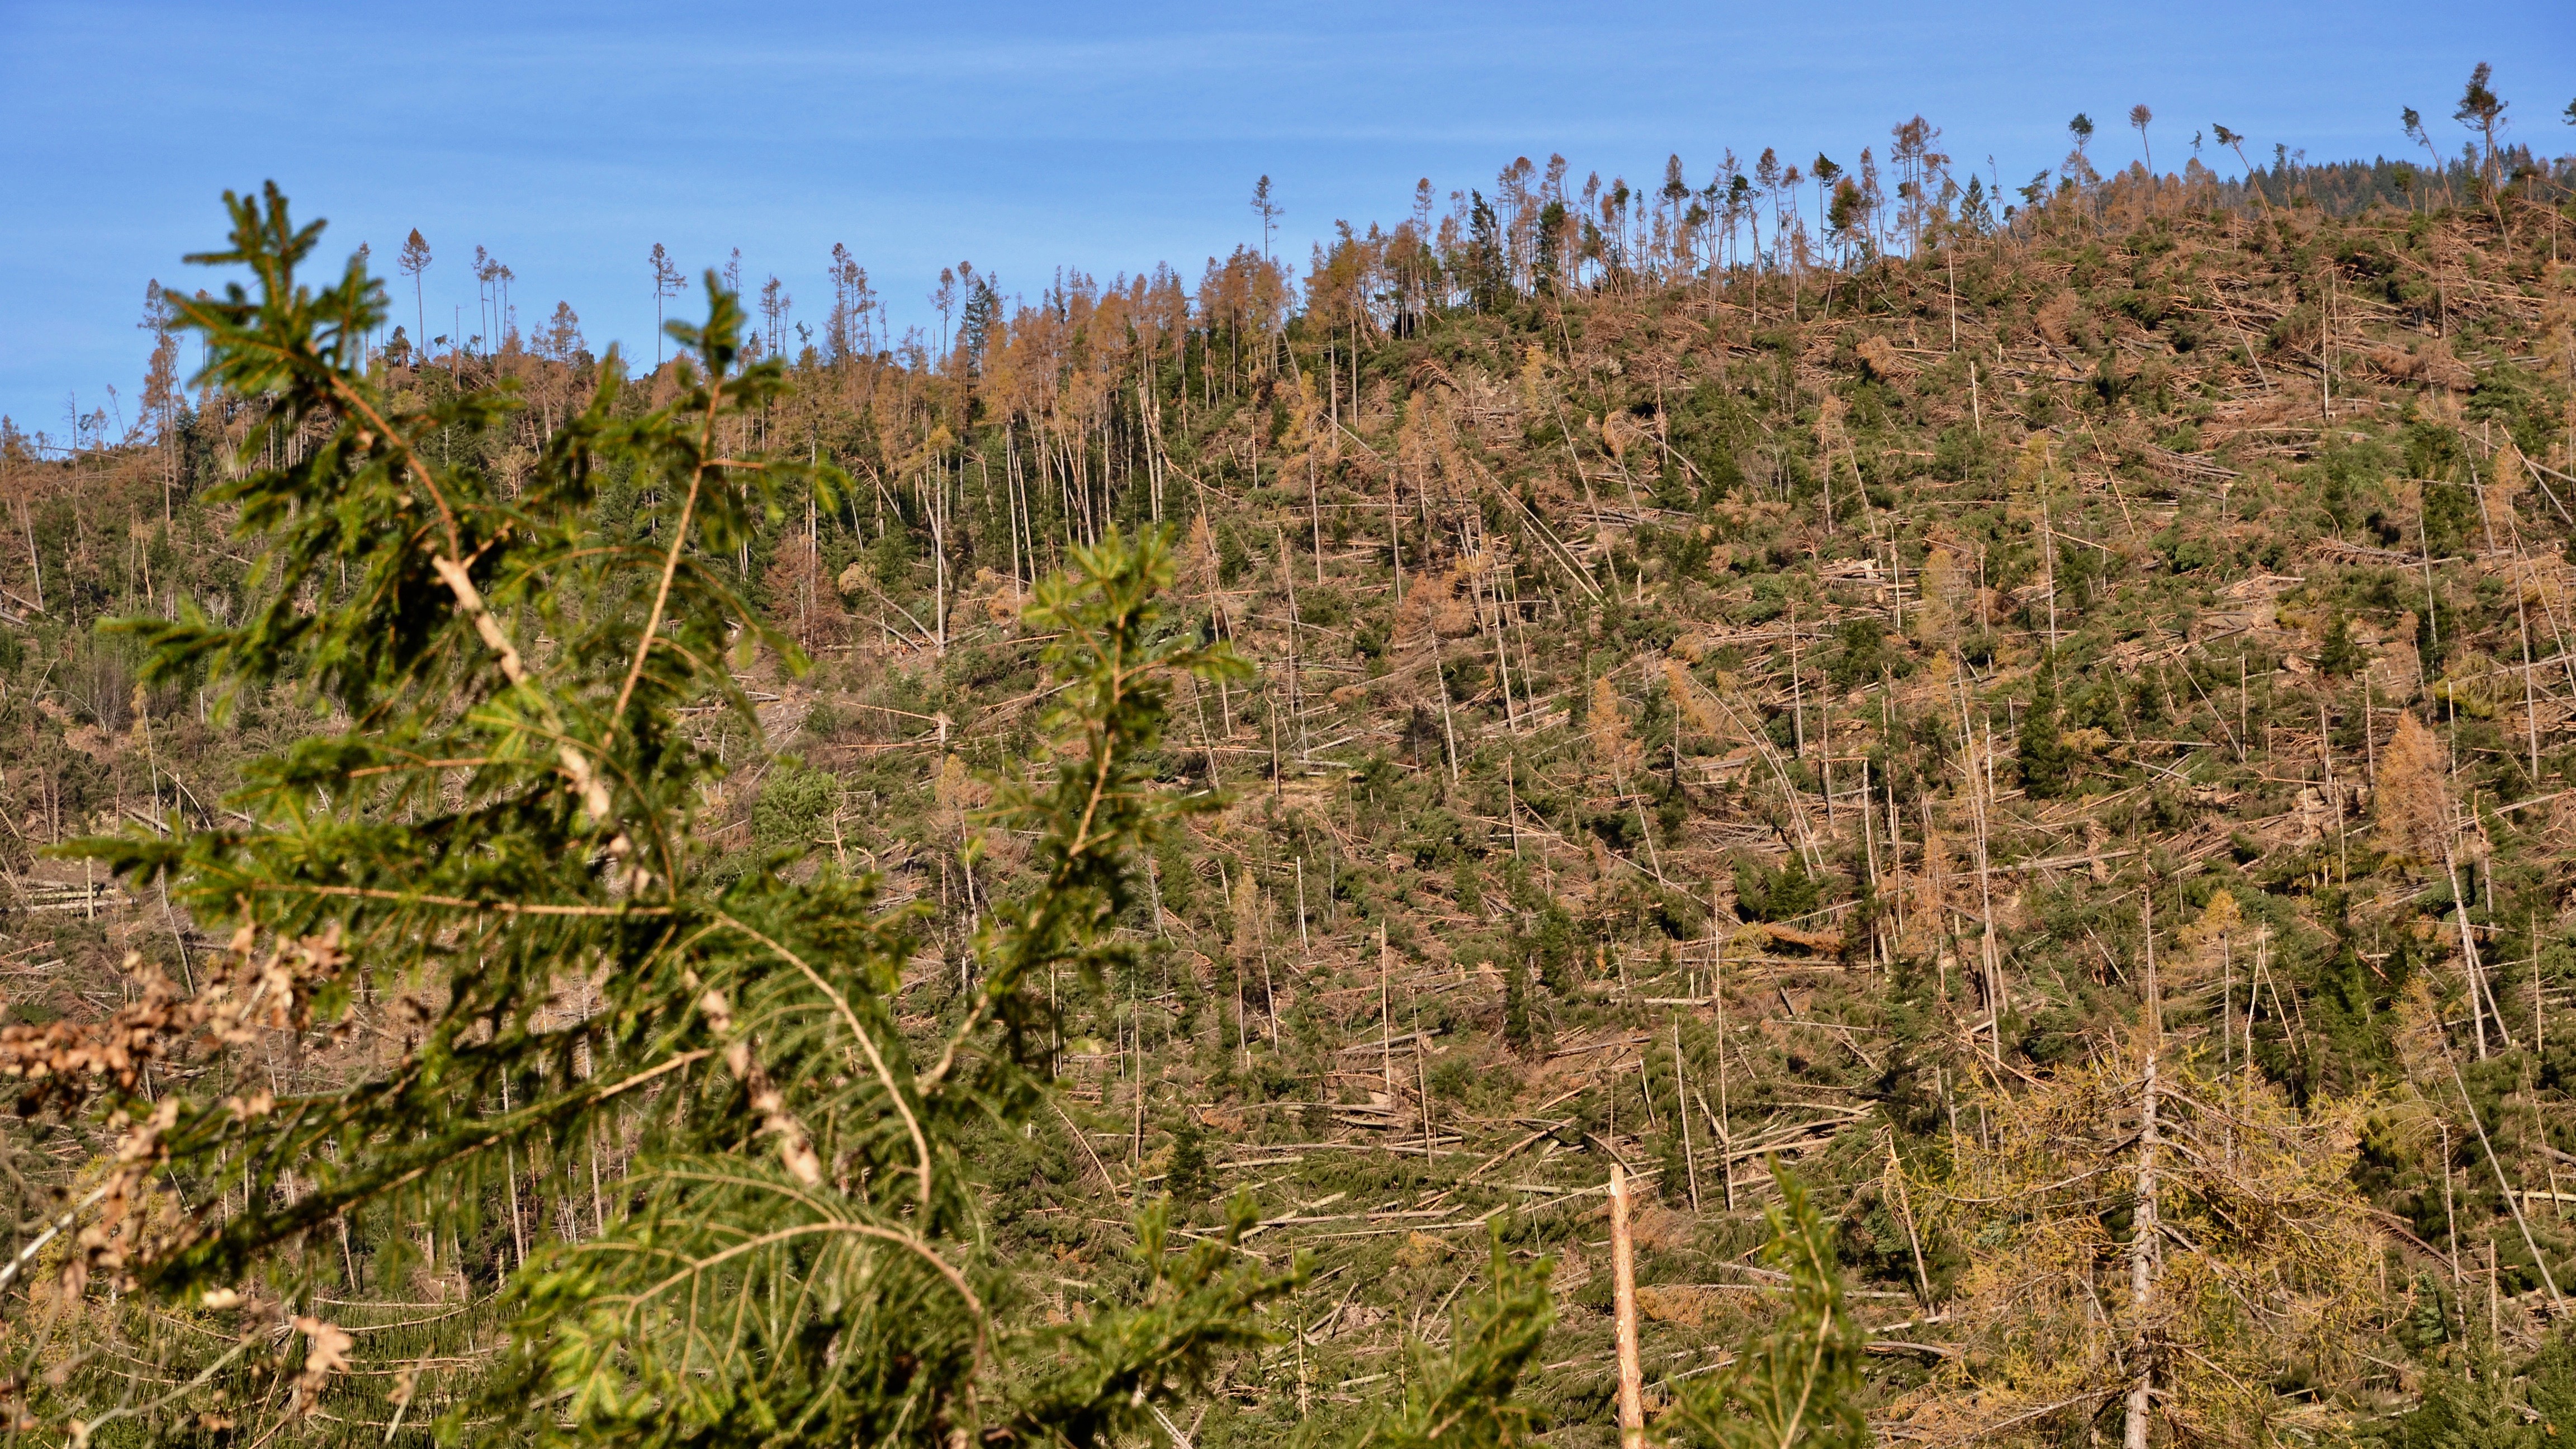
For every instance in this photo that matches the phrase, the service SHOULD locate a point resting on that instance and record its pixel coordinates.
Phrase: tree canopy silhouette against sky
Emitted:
(1028, 138)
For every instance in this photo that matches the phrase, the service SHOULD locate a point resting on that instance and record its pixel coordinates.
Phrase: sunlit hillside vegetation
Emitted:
(2053, 729)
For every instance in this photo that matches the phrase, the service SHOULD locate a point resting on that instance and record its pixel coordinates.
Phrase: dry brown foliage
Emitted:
(2412, 801)
(1615, 749)
(2263, 1270)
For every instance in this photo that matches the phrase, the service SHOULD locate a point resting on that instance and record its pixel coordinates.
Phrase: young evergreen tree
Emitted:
(1464, 1399)
(1796, 1386)
(2047, 761)
(2339, 656)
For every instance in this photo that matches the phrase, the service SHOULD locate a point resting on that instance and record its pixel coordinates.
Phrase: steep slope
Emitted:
(1846, 719)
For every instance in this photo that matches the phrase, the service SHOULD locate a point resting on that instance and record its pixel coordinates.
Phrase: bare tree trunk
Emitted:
(2511, 1200)
(1385, 1019)
(1296, 654)
(1896, 863)
(1979, 788)
(1011, 497)
(1136, 1150)
(941, 504)
(1905, 1205)
(2142, 1238)
(1623, 1273)
(1422, 1089)
(1681, 1109)
(510, 1169)
(2468, 944)
(2522, 624)
(1717, 999)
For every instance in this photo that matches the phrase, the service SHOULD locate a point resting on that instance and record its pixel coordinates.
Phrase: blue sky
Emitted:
(570, 138)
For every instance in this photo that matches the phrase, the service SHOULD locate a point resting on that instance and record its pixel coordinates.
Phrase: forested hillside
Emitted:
(2055, 733)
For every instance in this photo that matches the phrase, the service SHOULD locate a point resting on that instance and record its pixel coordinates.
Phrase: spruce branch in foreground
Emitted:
(489, 870)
